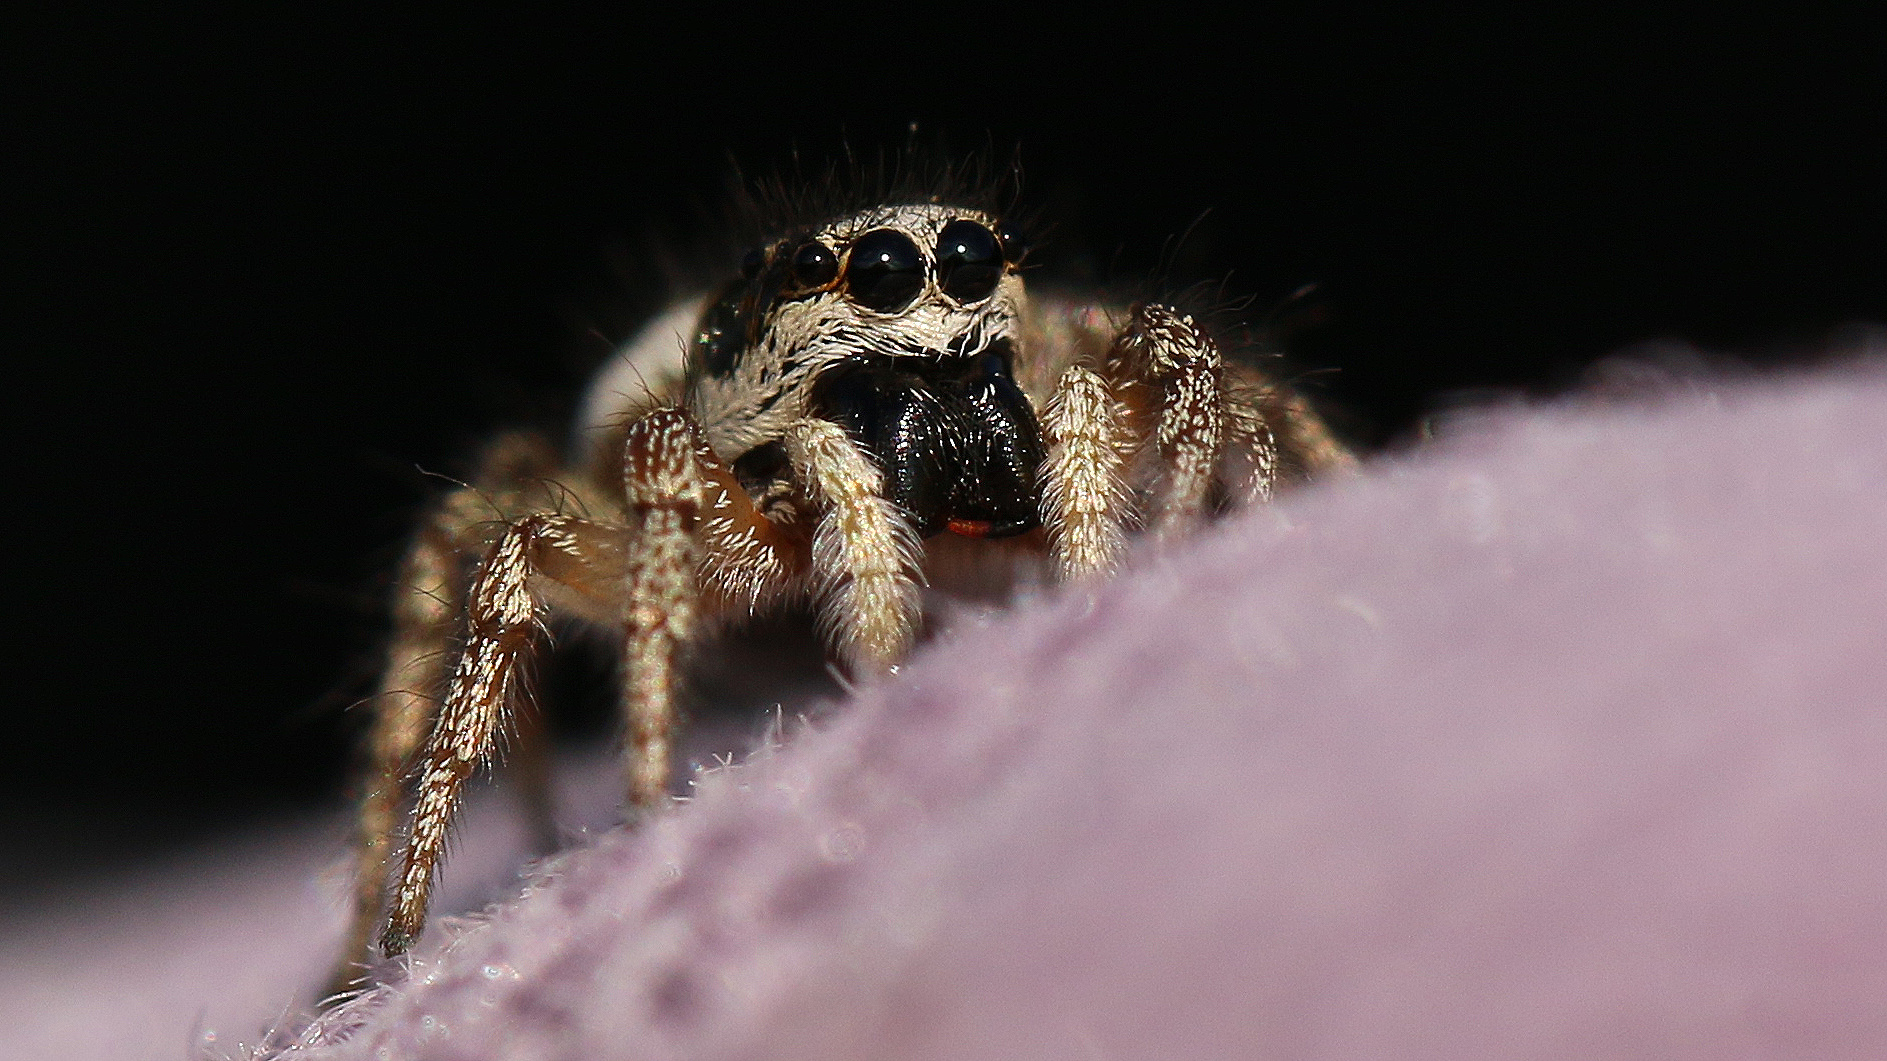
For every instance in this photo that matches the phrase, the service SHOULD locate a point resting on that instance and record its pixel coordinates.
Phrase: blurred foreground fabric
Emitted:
(1562, 738)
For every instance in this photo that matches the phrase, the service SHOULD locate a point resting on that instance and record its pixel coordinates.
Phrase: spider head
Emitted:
(900, 325)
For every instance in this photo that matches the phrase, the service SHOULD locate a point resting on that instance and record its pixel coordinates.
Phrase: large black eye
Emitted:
(814, 265)
(885, 271)
(969, 262)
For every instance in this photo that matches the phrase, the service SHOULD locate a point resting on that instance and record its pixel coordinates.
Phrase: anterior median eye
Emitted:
(969, 261)
(885, 270)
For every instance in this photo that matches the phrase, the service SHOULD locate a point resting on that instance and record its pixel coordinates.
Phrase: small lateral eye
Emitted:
(814, 265)
(969, 261)
(885, 270)
(751, 262)
(1014, 243)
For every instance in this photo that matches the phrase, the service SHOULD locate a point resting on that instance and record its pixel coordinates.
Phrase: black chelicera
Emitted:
(956, 437)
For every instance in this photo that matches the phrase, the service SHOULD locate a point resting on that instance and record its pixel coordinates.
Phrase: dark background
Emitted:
(267, 266)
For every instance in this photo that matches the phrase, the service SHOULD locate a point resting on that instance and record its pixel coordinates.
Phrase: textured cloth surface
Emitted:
(1562, 739)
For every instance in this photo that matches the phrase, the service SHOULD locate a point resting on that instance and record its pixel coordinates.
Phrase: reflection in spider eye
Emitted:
(1014, 243)
(885, 270)
(969, 263)
(814, 265)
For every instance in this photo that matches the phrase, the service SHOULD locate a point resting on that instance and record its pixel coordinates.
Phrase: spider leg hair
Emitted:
(866, 558)
(424, 612)
(504, 620)
(1162, 420)
(428, 600)
(1174, 356)
(662, 601)
(1085, 501)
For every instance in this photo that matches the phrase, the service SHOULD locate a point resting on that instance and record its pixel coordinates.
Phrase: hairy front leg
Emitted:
(865, 554)
(698, 545)
(662, 599)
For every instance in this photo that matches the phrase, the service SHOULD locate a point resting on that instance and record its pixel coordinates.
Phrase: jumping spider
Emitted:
(875, 405)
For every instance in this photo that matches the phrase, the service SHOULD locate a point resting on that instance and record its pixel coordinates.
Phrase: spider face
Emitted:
(899, 325)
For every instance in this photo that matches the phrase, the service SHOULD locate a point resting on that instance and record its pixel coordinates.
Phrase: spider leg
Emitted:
(698, 547)
(1160, 418)
(1085, 501)
(1169, 355)
(1306, 448)
(529, 763)
(1160, 385)
(423, 616)
(1251, 466)
(426, 607)
(646, 578)
(503, 614)
(865, 554)
(664, 488)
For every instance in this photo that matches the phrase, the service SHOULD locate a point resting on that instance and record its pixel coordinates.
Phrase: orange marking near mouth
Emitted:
(969, 528)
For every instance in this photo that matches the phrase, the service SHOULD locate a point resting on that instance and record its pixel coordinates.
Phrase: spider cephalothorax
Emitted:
(899, 325)
(874, 398)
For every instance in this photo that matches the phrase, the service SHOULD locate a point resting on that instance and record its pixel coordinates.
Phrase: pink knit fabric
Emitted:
(1564, 739)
